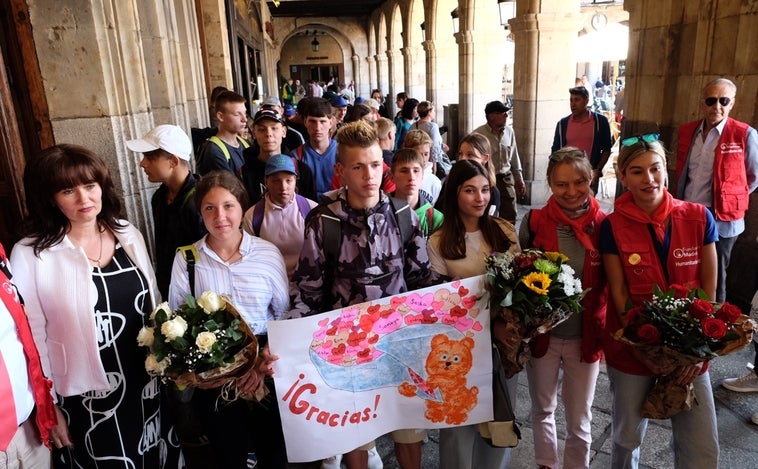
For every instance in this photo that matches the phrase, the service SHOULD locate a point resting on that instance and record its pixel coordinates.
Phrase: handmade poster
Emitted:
(417, 360)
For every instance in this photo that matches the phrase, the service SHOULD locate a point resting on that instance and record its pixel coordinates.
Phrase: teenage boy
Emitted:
(320, 151)
(421, 142)
(386, 129)
(165, 159)
(268, 132)
(369, 263)
(279, 217)
(408, 172)
(177, 222)
(224, 150)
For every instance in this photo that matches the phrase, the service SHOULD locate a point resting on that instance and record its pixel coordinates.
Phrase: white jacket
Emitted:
(60, 299)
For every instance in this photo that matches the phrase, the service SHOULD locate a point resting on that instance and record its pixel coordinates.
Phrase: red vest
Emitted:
(593, 277)
(730, 189)
(643, 269)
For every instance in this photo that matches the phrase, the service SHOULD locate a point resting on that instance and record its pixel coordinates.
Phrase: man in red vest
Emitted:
(717, 166)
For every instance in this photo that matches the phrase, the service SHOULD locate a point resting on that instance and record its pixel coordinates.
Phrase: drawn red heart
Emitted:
(463, 291)
(469, 302)
(364, 353)
(477, 326)
(374, 338)
(396, 301)
(457, 311)
(339, 350)
(373, 308)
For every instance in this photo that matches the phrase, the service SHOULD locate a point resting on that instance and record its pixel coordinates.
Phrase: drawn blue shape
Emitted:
(403, 349)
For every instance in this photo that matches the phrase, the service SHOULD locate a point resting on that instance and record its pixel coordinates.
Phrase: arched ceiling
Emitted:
(332, 8)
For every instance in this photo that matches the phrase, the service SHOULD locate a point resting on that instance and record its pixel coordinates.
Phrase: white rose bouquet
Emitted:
(204, 342)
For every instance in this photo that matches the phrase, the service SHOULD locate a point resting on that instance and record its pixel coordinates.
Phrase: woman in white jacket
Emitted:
(88, 285)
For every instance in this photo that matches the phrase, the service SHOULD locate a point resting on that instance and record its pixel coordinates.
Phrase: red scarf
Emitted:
(625, 206)
(578, 225)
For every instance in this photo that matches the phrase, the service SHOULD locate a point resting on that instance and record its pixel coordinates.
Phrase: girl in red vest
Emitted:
(653, 239)
(569, 223)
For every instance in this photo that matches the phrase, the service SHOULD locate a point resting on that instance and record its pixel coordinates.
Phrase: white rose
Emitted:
(205, 341)
(163, 306)
(145, 337)
(155, 367)
(174, 328)
(211, 302)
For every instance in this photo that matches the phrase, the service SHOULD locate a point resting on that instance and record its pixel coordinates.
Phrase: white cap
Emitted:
(170, 138)
(372, 103)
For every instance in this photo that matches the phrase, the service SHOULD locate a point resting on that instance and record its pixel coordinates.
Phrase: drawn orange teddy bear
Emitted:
(447, 365)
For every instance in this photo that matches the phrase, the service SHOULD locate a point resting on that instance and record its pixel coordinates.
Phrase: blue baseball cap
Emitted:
(289, 110)
(338, 101)
(278, 163)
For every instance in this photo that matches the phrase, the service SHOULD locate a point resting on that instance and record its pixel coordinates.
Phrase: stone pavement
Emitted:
(738, 436)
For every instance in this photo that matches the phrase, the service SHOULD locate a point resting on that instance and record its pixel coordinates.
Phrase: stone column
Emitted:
(360, 86)
(381, 73)
(480, 43)
(544, 72)
(372, 78)
(430, 52)
(394, 86)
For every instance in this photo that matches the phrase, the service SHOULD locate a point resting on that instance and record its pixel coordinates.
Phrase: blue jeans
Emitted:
(695, 435)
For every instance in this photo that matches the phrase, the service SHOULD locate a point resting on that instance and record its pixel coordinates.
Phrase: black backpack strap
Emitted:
(403, 216)
(190, 255)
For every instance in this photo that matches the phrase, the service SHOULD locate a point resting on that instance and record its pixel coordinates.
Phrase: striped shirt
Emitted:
(257, 284)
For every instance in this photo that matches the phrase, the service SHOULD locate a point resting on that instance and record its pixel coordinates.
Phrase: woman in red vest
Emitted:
(653, 239)
(569, 223)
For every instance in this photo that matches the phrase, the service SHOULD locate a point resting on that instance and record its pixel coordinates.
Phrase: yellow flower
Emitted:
(537, 282)
(555, 256)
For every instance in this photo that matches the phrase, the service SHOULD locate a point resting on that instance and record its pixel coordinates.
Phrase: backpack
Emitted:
(332, 240)
(190, 255)
(219, 143)
(257, 221)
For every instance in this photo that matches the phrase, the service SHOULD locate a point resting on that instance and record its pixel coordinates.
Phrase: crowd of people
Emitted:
(309, 213)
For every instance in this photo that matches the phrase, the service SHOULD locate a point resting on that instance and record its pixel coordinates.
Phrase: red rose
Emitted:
(728, 313)
(680, 291)
(701, 308)
(632, 313)
(713, 328)
(649, 334)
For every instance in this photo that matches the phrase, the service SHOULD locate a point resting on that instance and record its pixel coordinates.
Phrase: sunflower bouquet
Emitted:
(681, 327)
(532, 291)
(203, 342)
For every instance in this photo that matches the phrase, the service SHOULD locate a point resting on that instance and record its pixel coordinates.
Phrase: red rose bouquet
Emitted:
(681, 327)
(532, 292)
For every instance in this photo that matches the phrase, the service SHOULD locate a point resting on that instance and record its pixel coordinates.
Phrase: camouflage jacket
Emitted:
(371, 263)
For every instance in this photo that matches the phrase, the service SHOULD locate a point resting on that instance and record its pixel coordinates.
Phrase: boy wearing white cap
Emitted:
(166, 154)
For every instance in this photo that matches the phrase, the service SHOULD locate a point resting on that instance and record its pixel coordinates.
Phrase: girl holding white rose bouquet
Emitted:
(251, 273)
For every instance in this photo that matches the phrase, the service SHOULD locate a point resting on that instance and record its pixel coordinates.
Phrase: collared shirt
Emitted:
(257, 283)
(699, 188)
(14, 364)
(282, 226)
(504, 155)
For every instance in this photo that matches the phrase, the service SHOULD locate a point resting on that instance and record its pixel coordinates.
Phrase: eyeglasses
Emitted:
(724, 101)
(649, 138)
(559, 155)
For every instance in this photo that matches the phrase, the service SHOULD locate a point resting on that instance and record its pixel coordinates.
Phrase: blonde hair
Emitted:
(415, 138)
(384, 126)
(358, 134)
(628, 153)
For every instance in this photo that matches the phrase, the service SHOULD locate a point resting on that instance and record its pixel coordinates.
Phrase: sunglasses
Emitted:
(724, 101)
(559, 155)
(649, 138)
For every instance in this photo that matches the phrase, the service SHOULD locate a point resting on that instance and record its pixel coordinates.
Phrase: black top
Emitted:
(176, 224)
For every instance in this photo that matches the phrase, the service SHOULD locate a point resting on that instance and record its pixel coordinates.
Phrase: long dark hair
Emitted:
(452, 231)
(408, 108)
(57, 168)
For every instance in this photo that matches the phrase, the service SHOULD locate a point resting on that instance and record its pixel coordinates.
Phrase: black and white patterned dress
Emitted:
(124, 426)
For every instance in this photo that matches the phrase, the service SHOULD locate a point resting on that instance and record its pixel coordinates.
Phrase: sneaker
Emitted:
(754, 418)
(748, 383)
